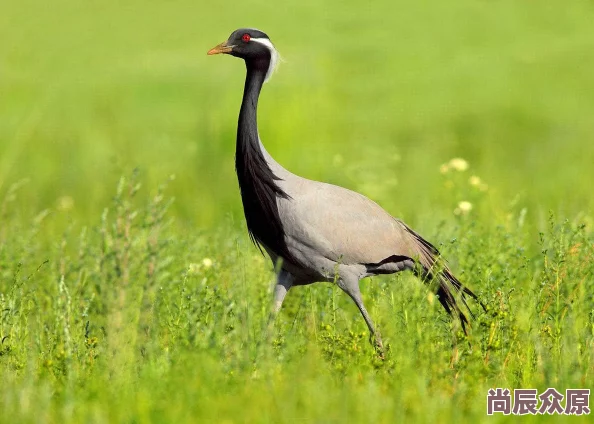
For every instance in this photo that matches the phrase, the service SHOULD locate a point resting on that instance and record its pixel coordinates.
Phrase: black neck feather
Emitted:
(257, 182)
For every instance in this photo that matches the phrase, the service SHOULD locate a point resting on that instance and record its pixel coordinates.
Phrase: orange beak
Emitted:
(221, 48)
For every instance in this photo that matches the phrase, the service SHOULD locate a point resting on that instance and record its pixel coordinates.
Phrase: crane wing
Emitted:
(342, 225)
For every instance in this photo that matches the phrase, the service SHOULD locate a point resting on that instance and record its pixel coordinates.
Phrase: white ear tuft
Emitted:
(275, 58)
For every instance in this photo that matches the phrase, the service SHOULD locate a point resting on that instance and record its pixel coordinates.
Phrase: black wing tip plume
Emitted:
(450, 290)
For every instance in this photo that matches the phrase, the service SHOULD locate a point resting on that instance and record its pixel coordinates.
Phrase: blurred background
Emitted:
(375, 97)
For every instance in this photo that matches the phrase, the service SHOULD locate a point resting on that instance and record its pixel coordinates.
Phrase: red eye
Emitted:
(245, 38)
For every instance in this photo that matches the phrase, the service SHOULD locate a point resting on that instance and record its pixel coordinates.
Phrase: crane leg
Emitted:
(351, 287)
(284, 282)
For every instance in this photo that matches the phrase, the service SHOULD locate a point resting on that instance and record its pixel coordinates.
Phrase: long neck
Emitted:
(257, 182)
(247, 128)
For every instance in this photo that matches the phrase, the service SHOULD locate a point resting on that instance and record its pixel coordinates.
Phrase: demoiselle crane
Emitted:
(318, 231)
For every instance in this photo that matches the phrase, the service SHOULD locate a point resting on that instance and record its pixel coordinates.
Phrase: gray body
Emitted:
(327, 226)
(336, 234)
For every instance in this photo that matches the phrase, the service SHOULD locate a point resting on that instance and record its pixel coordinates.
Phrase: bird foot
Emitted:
(376, 342)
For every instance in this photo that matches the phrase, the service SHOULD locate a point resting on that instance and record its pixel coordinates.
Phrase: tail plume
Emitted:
(450, 291)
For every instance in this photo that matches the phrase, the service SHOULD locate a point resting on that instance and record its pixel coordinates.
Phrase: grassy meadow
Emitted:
(129, 289)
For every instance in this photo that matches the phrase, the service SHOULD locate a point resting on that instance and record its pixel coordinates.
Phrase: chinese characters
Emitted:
(528, 401)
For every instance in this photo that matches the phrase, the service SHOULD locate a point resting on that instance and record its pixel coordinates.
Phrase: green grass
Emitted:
(109, 311)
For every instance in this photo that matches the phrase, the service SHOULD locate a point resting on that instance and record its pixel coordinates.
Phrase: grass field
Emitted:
(129, 290)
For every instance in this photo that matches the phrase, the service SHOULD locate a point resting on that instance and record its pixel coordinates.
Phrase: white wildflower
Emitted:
(463, 208)
(474, 181)
(478, 183)
(458, 164)
(207, 262)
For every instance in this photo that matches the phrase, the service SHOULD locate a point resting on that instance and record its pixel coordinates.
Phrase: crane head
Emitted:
(251, 45)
